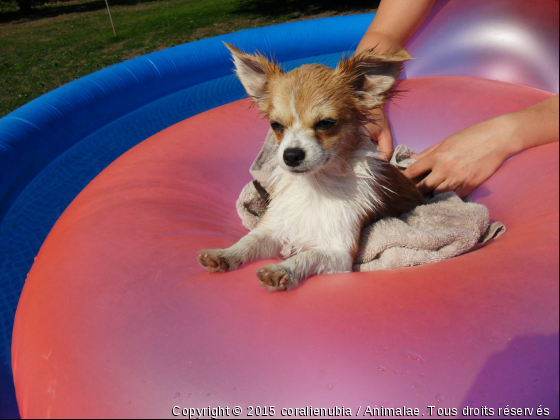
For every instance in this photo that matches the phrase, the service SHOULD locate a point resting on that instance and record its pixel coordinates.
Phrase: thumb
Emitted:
(385, 144)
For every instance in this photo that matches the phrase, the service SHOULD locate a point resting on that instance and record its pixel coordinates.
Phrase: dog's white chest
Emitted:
(305, 216)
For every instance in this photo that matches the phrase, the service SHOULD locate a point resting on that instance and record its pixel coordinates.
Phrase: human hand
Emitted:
(380, 132)
(464, 161)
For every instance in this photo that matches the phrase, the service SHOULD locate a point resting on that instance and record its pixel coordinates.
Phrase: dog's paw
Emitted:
(274, 277)
(213, 260)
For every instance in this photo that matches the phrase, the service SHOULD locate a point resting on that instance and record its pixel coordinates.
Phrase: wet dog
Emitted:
(330, 180)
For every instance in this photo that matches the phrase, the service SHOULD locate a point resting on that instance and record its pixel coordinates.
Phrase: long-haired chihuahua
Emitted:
(330, 181)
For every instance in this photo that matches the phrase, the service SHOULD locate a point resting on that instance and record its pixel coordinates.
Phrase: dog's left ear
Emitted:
(254, 71)
(373, 75)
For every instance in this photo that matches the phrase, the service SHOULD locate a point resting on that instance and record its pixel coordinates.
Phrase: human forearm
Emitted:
(534, 126)
(395, 23)
(382, 42)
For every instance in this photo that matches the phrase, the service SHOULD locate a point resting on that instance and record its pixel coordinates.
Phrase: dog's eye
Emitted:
(325, 125)
(277, 126)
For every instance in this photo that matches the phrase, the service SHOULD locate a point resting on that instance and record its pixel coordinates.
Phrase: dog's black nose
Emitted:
(293, 157)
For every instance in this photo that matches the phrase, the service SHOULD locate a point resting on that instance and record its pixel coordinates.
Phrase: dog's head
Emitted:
(317, 112)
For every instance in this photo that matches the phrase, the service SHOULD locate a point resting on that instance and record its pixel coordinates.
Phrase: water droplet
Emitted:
(330, 387)
(440, 398)
(396, 372)
(382, 368)
(415, 357)
(177, 395)
(416, 386)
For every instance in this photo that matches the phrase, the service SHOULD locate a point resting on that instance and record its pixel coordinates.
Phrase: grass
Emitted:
(62, 41)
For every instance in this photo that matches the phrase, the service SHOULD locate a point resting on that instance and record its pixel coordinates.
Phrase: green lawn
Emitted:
(62, 41)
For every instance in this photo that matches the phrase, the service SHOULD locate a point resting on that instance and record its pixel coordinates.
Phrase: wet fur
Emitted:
(316, 216)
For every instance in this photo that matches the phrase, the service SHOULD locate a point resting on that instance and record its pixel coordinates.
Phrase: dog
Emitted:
(330, 181)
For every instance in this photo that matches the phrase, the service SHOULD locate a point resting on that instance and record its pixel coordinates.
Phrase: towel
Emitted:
(444, 227)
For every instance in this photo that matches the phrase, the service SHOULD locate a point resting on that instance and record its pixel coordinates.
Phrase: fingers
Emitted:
(373, 131)
(426, 152)
(381, 134)
(472, 183)
(385, 143)
(465, 190)
(430, 183)
(447, 186)
(419, 167)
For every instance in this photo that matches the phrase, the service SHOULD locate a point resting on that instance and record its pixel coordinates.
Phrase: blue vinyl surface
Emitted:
(51, 148)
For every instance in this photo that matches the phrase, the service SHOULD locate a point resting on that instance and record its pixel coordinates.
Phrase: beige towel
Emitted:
(443, 228)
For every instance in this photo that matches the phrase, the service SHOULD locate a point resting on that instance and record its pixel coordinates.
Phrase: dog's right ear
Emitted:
(373, 75)
(254, 71)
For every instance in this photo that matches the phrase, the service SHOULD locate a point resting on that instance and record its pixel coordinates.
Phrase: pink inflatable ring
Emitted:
(117, 319)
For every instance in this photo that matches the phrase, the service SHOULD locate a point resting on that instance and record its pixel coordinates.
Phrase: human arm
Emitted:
(394, 25)
(467, 159)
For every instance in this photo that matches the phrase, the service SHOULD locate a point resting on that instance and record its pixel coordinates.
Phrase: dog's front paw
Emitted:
(213, 260)
(274, 277)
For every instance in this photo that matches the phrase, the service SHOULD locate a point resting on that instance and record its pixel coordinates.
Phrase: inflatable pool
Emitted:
(118, 320)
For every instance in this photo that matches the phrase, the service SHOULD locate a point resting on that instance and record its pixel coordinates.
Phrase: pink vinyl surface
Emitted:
(513, 41)
(117, 319)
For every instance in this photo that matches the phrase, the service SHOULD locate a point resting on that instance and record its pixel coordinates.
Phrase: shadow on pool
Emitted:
(269, 8)
(523, 375)
(61, 7)
(276, 8)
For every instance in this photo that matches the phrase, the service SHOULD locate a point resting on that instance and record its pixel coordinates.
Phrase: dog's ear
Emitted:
(254, 71)
(373, 75)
